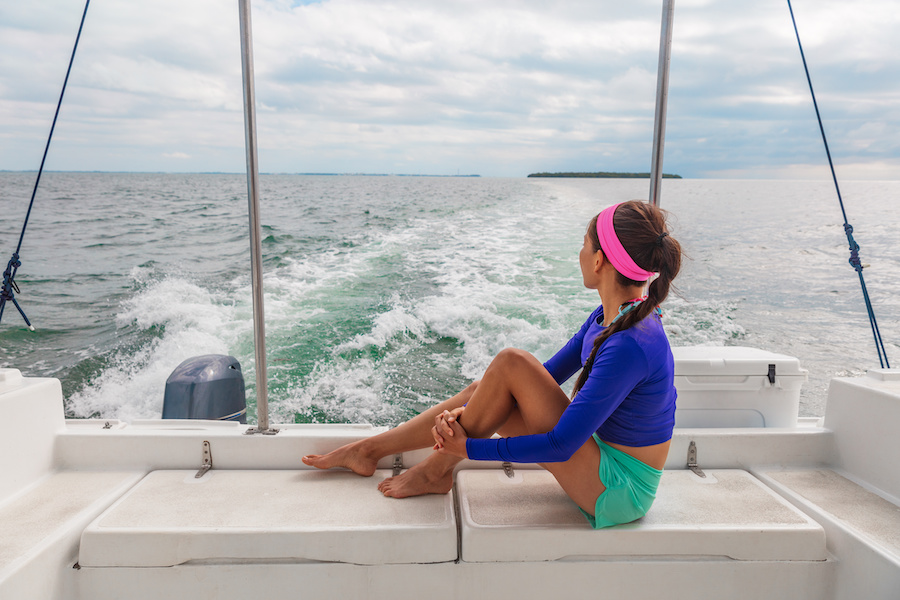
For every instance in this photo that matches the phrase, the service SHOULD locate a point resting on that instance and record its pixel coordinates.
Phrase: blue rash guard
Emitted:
(628, 398)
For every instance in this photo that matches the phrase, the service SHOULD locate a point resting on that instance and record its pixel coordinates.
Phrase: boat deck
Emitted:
(781, 512)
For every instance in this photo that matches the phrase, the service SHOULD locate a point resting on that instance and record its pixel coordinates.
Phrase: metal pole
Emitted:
(662, 94)
(259, 326)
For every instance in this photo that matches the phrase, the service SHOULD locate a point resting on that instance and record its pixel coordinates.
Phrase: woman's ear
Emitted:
(599, 261)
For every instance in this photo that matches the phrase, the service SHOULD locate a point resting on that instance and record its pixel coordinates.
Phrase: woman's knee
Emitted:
(510, 357)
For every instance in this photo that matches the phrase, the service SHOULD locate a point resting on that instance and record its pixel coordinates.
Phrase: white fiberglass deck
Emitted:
(40, 529)
(27, 522)
(171, 518)
(868, 513)
(728, 513)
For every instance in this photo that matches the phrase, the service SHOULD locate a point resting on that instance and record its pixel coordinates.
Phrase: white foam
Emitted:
(398, 321)
(697, 323)
(476, 264)
(193, 322)
(343, 391)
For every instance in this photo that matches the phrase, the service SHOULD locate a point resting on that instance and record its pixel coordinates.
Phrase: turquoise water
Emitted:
(386, 294)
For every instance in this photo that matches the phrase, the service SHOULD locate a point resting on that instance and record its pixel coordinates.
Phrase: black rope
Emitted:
(848, 228)
(9, 289)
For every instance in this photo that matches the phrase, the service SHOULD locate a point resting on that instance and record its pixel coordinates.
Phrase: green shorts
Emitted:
(630, 488)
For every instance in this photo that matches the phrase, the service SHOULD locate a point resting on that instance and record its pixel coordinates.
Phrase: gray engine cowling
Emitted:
(206, 387)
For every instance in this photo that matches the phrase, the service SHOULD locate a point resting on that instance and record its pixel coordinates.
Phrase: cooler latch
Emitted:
(398, 464)
(772, 374)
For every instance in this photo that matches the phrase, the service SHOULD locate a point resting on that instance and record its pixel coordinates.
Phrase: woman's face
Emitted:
(588, 258)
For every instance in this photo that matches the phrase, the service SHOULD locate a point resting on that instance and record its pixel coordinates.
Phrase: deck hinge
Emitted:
(692, 460)
(207, 461)
(398, 464)
(772, 374)
(107, 425)
(508, 469)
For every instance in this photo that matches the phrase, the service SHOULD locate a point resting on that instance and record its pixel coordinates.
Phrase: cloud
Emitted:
(872, 171)
(501, 88)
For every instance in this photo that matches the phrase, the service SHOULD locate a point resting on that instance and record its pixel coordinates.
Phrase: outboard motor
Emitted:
(206, 387)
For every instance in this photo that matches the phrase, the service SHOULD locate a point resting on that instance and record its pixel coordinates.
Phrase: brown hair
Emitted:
(641, 227)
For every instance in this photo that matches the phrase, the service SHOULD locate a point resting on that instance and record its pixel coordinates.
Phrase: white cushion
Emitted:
(171, 518)
(728, 514)
(865, 511)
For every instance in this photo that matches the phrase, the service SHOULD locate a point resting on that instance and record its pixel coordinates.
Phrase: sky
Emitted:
(491, 87)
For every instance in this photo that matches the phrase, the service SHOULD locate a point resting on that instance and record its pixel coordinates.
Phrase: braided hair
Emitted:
(641, 227)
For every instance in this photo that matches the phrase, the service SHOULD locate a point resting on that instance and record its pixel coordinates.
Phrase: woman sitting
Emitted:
(607, 447)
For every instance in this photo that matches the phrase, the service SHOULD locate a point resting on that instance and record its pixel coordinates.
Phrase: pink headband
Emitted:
(613, 249)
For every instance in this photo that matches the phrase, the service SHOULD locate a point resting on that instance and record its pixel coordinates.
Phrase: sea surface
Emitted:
(384, 295)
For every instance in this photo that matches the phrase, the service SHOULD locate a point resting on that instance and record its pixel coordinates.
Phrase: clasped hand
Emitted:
(449, 435)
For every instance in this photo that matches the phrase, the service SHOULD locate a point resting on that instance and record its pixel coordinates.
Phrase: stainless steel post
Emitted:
(259, 326)
(662, 95)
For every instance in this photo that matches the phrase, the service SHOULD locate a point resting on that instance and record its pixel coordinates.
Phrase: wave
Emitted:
(169, 320)
(701, 323)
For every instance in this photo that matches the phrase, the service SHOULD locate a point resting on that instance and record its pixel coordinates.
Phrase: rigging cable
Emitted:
(10, 289)
(848, 228)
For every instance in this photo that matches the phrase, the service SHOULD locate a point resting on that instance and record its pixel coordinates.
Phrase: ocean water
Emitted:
(384, 295)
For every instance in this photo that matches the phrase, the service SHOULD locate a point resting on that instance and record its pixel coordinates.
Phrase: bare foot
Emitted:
(417, 481)
(352, 456)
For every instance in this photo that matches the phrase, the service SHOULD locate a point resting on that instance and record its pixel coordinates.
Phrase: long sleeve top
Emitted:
(628, 398)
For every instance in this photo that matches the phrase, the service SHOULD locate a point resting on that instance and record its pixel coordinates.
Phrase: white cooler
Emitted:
(734, 386)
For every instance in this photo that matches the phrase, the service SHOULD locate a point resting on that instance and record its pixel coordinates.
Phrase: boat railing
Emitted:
(259, 327)
(662, 95)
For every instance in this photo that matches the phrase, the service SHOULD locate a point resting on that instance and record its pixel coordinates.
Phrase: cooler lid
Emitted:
(733, 360)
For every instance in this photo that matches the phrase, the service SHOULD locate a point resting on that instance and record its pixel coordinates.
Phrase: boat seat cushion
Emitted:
(865, 512)
(172, 518)
(40, 528)
(727, 514)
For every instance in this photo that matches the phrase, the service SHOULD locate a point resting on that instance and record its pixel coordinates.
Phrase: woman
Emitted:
(607, 447)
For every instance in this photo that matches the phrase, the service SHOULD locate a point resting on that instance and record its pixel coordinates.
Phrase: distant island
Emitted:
(605, 174)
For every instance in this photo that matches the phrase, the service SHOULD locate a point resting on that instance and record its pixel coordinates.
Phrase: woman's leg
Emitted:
(362, 457)
(517, 396)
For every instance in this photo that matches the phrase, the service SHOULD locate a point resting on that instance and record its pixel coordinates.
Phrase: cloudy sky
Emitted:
(494, 87)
